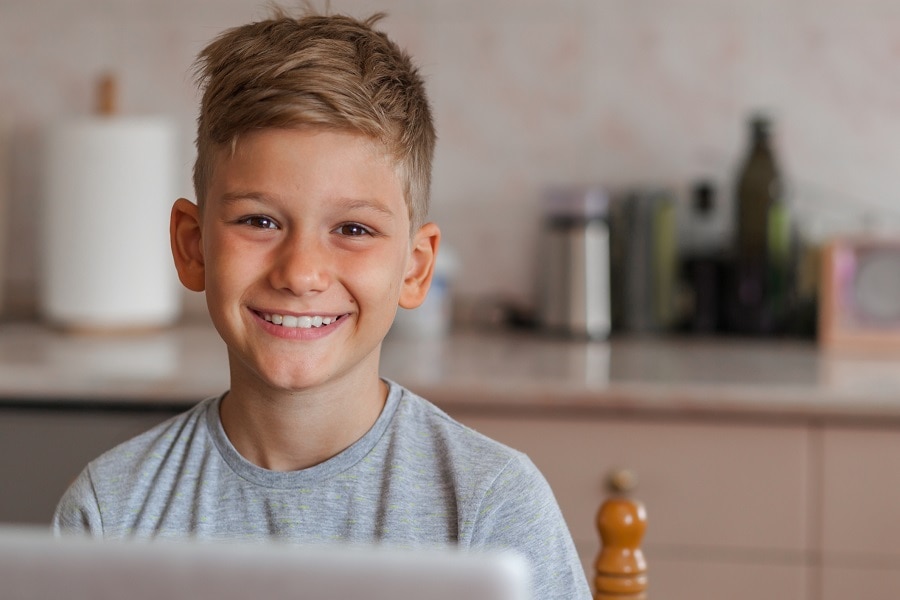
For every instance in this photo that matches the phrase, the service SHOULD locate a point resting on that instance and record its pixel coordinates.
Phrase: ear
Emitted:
(187, 244)
(423, 253)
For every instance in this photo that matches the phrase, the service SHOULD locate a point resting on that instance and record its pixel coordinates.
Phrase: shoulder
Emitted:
(130, 469)
(419, 421)
(167, 441)
(477, 463)
(504, 501)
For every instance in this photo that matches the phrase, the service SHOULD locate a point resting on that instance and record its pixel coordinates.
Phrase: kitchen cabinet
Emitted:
(860, 533)
(727, 502)
(43, 449)
(860, 583)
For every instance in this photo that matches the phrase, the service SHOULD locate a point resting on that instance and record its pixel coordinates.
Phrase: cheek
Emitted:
(381, 277)
(228, 266)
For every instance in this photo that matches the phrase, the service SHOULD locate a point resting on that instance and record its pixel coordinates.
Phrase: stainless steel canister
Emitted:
(574, 296)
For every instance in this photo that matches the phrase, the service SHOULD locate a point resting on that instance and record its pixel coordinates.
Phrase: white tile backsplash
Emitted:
(526, 92)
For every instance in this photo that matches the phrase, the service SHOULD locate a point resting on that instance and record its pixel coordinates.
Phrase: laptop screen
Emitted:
(36, 566)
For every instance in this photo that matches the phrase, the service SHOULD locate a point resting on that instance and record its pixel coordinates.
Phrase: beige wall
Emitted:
(526, 92)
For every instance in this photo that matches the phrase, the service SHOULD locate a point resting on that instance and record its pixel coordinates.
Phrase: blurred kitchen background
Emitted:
(641, 98)
(586, 177)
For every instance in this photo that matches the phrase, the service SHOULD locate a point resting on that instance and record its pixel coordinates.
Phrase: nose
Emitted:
(301, 265)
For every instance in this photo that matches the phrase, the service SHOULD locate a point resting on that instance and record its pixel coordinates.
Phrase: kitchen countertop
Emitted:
(721, 377)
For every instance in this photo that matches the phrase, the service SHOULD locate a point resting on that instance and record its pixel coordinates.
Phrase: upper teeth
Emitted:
(304, 322)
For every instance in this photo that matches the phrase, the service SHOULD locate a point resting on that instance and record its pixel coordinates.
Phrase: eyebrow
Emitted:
(344, 203)
(365, 204)
(231, 197)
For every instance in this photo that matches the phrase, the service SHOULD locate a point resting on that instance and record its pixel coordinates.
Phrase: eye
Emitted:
(353, 230)
(259, 222)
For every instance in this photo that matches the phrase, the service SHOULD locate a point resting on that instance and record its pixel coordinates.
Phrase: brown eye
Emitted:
(353, 230)
(259, 222)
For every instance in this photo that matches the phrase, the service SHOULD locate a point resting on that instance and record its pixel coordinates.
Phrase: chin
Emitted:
(293, 383)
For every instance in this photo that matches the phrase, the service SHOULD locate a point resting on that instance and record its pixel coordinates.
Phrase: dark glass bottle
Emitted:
(762, 255)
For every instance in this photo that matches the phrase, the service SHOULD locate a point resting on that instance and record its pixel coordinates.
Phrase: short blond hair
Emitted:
(329, 71)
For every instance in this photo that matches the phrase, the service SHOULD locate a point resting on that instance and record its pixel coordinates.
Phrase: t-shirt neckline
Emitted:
(303, 477)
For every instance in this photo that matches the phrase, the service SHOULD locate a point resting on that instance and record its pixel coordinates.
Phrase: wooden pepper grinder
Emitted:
(621, 569)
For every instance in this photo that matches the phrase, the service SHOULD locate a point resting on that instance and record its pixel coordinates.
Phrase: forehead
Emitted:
(307, 160)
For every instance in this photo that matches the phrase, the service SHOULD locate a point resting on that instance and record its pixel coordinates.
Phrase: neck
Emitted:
(292, 430)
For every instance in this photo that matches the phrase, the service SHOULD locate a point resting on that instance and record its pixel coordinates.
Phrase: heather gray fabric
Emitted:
(417, 478)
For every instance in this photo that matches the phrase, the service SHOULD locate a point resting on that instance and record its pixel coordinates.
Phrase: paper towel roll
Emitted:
(106, 259)
(5, 189)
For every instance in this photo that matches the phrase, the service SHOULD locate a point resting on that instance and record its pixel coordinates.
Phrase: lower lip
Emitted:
(297, 333)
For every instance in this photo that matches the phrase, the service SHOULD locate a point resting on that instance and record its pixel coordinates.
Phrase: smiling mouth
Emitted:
(302, 322)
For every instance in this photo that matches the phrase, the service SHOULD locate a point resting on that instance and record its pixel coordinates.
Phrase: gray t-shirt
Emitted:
(416, 478)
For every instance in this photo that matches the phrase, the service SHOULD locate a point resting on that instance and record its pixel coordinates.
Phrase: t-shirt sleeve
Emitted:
(78, 510)
(519, 512)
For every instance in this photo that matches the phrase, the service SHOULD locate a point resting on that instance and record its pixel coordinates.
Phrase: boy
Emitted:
(315, 143)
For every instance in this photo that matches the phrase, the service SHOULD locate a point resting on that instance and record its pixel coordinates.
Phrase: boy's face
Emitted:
(303, 248)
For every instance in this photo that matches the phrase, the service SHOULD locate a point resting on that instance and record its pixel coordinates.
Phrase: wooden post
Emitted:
(107, 95)
(620, 567)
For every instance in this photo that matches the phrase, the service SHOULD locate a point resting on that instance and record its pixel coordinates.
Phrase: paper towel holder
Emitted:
(122, 281)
